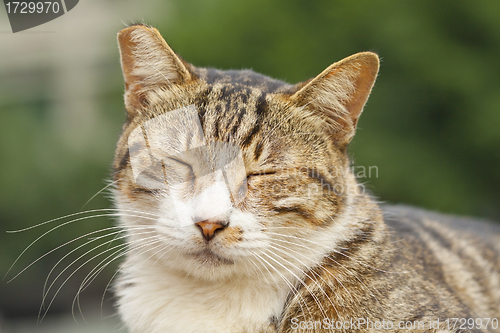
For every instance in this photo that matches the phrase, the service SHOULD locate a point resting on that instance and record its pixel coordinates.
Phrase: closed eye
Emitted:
(261, 173)
(172, 159)
(177, 168)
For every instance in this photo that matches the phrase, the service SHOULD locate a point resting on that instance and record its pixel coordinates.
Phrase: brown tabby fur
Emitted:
(394, 263)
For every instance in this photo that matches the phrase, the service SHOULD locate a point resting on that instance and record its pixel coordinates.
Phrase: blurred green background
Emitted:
(431, 125)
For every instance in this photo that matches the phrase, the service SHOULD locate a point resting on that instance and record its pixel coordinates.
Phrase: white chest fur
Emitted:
(156, 300)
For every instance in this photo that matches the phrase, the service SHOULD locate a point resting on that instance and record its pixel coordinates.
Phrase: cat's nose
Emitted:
(208, 228)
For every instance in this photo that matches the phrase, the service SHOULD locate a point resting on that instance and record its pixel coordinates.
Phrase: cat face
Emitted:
(222, 173)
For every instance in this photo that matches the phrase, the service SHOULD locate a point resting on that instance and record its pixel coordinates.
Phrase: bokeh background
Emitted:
(431, 126)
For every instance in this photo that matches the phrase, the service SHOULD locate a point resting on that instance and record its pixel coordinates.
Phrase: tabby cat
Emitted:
(242, 214)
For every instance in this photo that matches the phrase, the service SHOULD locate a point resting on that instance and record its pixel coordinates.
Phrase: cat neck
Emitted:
(172, 299)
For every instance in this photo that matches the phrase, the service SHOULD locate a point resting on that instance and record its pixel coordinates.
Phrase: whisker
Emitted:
(116, 273)
(318, 264)
(81, 213)
(294, 275)
(86, 253)
(293, 289)
(336, 262)
(74, 272)
(88, 242)
(96, 271)
(100, 191)
(335, 251)
(55, 228)
(72, 251)
(315, 281)
(300, 280)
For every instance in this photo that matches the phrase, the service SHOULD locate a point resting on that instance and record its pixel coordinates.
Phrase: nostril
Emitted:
(209, 228)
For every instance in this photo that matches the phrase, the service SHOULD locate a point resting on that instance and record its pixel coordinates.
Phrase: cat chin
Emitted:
(209, 268)
(208, 258)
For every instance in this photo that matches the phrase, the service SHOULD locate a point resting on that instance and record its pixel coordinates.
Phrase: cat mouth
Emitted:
(208, 257)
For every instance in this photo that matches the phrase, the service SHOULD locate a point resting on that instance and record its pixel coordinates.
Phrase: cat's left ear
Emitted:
(339, 93)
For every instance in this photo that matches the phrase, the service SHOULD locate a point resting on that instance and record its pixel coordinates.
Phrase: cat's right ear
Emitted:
(148, 63)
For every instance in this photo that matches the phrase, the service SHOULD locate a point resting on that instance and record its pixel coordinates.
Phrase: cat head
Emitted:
(231, 172)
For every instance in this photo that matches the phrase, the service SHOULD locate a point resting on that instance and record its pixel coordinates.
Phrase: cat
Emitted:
(242, 214)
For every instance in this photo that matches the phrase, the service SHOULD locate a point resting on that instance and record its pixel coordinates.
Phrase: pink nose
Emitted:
(208, 228)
